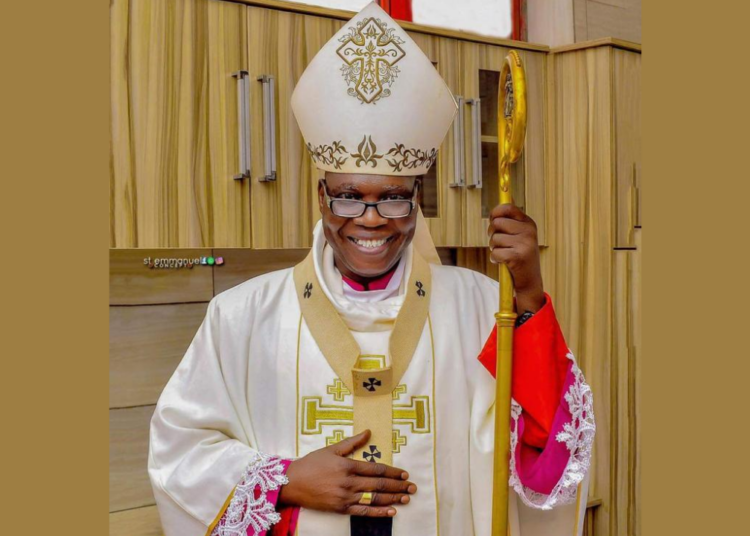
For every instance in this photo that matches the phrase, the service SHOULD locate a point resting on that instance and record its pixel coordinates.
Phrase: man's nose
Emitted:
(371, 218)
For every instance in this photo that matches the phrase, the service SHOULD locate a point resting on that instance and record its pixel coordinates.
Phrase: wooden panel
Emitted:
(580, 21)
(129, 486)
(606, 19)
(535, 160)
(174, 125)
(476, 58)
(627, 123)
(146, 343)
(581, 238)
(318, 31)
(131, 282)
(446, 227)
(282, 210)
(137, 522)
(243, 264)
(477, 259)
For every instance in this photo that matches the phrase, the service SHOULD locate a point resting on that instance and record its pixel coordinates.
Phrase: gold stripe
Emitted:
(212, 526)
(296, 417)
(434, 430)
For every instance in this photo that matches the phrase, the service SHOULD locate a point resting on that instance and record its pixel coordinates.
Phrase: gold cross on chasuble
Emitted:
(369, 380)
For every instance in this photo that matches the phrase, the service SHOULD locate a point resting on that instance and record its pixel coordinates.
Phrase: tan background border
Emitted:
(54, 210)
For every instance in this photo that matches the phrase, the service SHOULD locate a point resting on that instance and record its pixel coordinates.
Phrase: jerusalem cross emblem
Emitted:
(370, 53)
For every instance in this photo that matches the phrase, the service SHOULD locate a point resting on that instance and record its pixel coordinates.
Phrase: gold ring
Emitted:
(367, 497)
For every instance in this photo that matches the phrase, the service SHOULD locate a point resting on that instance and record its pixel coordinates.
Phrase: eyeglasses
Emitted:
(354, 208)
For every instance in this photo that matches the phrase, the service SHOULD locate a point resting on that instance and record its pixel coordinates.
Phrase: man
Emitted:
(361, 363)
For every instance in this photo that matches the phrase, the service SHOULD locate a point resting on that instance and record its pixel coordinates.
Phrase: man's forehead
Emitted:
(346, 182)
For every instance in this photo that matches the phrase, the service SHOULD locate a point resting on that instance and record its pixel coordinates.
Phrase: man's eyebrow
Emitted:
(347, 186)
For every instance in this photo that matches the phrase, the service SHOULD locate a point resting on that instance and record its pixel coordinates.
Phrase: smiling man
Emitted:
(354, 395)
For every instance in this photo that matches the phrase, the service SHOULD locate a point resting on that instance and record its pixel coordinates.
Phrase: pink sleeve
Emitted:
(252, 507)
(552, 425)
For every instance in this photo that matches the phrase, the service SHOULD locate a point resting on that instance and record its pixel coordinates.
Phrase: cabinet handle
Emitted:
(269, 127)
(458, 146)
(476, 142)
(243, 123)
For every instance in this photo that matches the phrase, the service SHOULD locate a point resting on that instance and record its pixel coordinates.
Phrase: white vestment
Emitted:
(254, 381)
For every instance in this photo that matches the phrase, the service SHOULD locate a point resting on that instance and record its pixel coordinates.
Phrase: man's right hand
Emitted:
(329, 481)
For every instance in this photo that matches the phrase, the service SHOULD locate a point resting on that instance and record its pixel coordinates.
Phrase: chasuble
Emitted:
(290, 362)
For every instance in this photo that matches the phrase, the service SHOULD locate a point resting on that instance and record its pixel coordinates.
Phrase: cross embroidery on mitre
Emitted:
(370, 53)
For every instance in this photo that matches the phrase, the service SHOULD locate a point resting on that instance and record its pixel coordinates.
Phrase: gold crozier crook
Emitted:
(511, 124)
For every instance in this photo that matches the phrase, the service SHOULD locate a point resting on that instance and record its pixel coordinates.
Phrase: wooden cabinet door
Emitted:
(627, 124)
(281, 44)
(441, 197)
(480, 71)
(174, 125)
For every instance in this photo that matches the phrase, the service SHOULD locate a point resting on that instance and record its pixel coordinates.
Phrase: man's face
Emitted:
(356, 242)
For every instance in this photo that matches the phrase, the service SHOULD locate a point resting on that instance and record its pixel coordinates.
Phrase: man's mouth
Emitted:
(370, 244)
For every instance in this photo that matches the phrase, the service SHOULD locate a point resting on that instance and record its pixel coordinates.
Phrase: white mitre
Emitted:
(371, 102)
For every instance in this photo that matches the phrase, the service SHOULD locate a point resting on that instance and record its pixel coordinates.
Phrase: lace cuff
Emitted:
(577, 437)
(252, 508)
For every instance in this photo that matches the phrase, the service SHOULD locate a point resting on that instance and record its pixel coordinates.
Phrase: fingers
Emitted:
(370, 511)
(378, 469)
(349, 445)
(385, 499)
(498, 240)
(508, 211)
(507, 226)
(383, 485)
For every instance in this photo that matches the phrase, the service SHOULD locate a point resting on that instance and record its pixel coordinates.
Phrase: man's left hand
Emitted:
(513, 241)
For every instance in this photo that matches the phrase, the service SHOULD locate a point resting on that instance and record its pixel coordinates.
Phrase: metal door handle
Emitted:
(458, 146)
(476, 142)
(269, 127)
(243, 123)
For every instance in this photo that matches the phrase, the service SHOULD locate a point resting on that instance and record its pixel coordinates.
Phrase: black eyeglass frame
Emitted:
(412, 203)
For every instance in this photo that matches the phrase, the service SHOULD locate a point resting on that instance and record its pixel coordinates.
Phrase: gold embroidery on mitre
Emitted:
(327, 154)
(368, 153)
(401, 157)
(398, 158)
(370, 53)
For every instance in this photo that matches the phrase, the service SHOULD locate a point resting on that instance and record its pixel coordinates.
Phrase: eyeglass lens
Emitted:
(350, 208)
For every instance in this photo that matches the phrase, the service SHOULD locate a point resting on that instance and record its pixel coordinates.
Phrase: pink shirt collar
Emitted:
(376, 284)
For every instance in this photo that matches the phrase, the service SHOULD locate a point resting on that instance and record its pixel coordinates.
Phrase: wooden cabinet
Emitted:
(206, 150)
(174, 147)
(594, 254)
(280, 44)
(597, 116)
(481, 65)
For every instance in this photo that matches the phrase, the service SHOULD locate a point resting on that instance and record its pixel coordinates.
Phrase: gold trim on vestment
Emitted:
(434, 431)
(372, 387)
(215, 522)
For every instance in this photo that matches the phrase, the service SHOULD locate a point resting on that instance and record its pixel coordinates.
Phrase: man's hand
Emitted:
(513, 241)
(329, 481)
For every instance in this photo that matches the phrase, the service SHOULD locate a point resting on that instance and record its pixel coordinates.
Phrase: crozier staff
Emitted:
(354, 393)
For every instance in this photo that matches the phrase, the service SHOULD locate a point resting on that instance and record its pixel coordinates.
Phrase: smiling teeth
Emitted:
(370, 243)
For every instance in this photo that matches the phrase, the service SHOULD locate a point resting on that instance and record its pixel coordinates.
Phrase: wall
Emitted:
(562, 22)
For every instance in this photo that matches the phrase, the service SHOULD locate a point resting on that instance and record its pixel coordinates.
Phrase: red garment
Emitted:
(376, 284)
(399, 9)
(540, 368)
